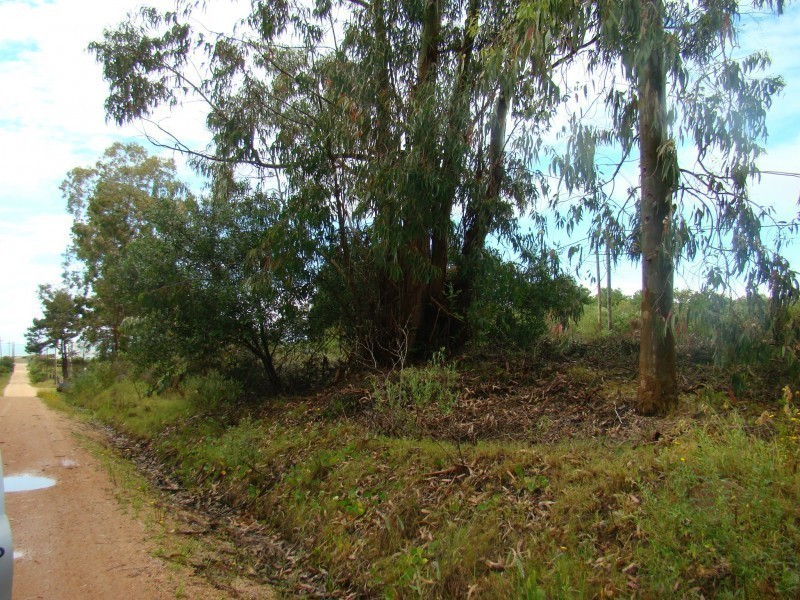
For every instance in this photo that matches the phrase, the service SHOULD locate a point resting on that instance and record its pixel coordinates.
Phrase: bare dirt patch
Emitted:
(74, 539)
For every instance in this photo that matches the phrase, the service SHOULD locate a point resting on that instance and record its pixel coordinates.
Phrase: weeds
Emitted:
(212, 391)
(726, 517)
(401, 395)
(6, 367)
(707, 507)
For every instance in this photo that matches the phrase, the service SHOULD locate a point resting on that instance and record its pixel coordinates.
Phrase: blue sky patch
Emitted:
(12, 50)
(27, 2)
(10, 124)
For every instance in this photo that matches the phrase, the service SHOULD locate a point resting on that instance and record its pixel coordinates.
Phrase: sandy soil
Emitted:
(74, 540)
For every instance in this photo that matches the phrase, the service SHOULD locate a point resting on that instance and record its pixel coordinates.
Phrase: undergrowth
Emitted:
(40, 369)
(709, 506)
(6, 368)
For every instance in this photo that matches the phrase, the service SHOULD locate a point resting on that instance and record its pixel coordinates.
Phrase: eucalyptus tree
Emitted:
(381, 125)
(109, 204)
(674, 88)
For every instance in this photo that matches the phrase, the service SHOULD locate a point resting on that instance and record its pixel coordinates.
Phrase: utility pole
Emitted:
(599, 289)
(608, 277)
(13, 350)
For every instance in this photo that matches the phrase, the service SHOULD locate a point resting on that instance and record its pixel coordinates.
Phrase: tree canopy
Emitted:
(110, 203)
(371, 164)
(59, 325)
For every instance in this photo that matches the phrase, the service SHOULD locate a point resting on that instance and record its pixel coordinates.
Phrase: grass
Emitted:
(709, 507)
(6, 368)
(727, 519)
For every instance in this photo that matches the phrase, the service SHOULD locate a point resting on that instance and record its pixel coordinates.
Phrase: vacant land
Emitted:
(483, 478)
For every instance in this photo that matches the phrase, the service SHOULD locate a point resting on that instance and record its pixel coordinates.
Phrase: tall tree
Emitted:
(682, 91)
(59, 325)
(109, 203)
(658, 385)
(228, 271)
(370, 128)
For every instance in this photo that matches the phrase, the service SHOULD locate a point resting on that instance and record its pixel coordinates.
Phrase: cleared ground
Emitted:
(74, 539)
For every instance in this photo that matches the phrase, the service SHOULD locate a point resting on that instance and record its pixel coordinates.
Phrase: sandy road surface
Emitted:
(73, 540)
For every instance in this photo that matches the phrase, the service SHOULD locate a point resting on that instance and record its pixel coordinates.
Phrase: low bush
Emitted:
(211, 391)
(40, 369)
(6, 365)
(6, 368)
(517, 301)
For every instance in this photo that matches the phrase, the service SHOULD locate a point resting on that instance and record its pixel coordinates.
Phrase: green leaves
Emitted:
(61, 321)
(142, 70)
(111, 204)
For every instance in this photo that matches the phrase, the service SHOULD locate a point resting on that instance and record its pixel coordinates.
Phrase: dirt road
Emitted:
(73, 540)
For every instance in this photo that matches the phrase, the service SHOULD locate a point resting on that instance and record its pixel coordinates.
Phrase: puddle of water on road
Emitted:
(26, 483)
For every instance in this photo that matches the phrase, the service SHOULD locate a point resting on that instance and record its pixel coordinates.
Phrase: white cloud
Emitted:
(32, 250)
(51, 120)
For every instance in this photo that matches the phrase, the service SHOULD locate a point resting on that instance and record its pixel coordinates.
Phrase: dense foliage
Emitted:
(233, 279)
(371, 164)
(406, 140)
(60, 324)
(6, 367)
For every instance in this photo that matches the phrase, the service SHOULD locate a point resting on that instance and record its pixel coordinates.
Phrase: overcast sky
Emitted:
(52, 119)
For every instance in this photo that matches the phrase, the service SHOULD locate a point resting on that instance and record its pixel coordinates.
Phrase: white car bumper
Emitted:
(6, 545)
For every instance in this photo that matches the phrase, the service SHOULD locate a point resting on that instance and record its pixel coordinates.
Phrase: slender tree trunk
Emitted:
(417, 223)
(439, 319)
(599, 290)
(115, 341)
(64, 361)
(657, 371)
(481, 212)
(269, 369)
(266, 359)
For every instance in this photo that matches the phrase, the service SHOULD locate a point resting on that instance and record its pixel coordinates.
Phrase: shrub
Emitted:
(212, 390)
(40, 369)
(97, 376)
(6, 365)
(515, 302)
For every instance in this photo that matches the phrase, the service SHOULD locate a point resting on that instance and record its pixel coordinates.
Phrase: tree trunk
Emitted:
(480, 213)
(269, 369)
(608, 281)
(64, 360)
(439, 317)
(599, 290)
(258, 345)
(657, 372)
(417, 222)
